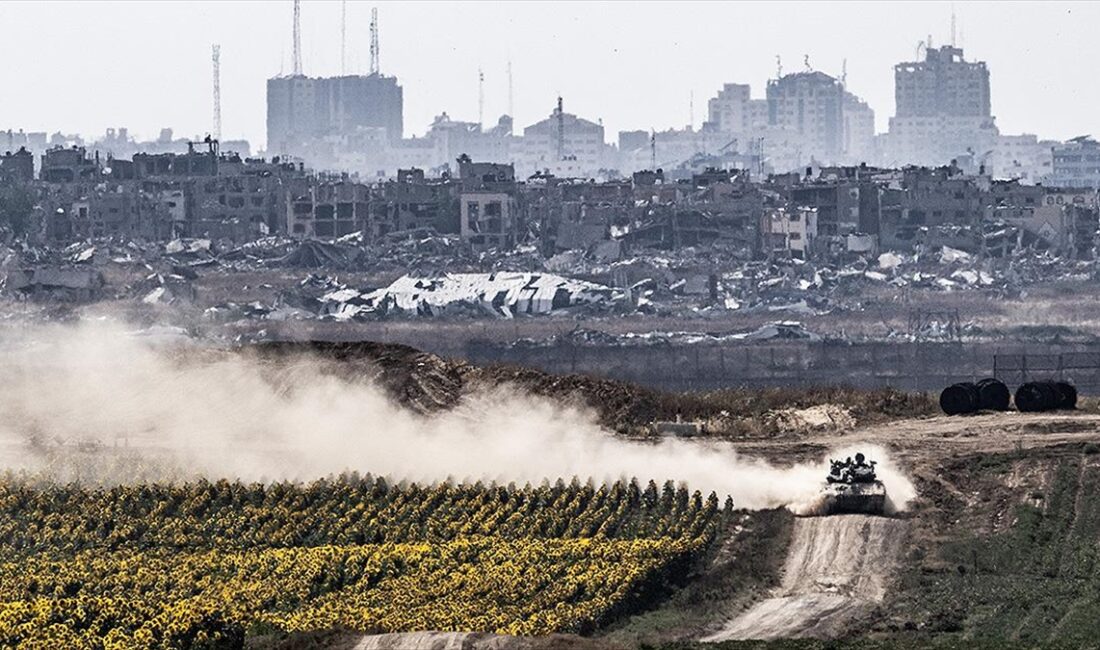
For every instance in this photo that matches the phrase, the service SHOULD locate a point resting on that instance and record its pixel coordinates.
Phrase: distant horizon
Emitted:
(637, 67)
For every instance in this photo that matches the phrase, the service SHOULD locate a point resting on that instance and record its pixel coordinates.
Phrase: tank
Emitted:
(853, 487)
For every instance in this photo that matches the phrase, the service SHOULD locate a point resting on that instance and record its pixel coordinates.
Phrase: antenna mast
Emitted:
(480, 98)
(215, 57)
(952, 25)
(343, 37)
(374, 68)
(510, 105)
(561, 129)
(778, 67)
(297, 38)
(691, 109)
(653, 150)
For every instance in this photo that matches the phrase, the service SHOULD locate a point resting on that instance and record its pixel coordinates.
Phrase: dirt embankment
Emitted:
(428, 383)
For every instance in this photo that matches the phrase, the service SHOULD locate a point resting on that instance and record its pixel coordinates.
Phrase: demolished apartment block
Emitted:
(503, 295)
(55, 284)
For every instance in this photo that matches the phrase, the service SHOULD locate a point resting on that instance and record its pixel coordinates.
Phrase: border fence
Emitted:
(1082, 369)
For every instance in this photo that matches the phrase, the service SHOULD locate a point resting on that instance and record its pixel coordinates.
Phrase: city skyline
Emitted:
(604, 74)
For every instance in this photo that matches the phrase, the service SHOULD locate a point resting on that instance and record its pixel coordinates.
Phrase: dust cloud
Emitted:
(95, 403)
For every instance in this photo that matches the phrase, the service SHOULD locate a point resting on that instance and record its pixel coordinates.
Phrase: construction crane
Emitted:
(297, 38)
(215, 57)
(374, 53)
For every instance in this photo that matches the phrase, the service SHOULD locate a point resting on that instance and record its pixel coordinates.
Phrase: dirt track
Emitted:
(837, 569)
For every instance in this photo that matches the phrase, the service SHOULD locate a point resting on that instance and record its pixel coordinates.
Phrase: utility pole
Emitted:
(343, 37)
(297, 38)
(374, 53)
(215, 57)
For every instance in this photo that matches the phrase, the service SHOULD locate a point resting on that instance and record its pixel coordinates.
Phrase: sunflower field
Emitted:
(202, 565)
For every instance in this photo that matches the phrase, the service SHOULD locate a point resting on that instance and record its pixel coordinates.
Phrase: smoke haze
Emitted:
(178, 411)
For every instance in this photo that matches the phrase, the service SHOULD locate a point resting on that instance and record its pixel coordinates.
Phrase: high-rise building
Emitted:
(734, 111)
(943, 110)
(826, 123)
(301, 111)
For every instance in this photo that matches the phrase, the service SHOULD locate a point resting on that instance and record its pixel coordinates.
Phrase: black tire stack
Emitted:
(1038, 396)
(958, 399)
(993, 395)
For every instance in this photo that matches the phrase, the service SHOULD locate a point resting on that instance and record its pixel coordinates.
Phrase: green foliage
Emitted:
(1035, 583)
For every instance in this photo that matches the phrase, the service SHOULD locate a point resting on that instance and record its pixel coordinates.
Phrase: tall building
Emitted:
(823, 121)
(564, 144)
(734, 110)
(302, 111)
(943, 110)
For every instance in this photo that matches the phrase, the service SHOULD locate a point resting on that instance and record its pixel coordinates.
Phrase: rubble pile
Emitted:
(502, 295)
(440, 276)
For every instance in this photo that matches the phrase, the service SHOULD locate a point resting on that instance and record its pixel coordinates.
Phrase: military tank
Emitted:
(852, 487)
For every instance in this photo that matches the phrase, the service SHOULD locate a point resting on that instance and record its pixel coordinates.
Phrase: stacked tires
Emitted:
(958, 399)
(1037, 396)
(993, 395)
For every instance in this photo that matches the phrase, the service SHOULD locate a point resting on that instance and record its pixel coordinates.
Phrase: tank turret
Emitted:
(852, 486)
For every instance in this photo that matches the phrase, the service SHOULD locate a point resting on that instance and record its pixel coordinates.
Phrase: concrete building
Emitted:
(1021, 157)
(328, 208)
(488, 219)
(1076, 163)
(788, 232)
(563, 144)
(824, 123)
(734, 110)
(452, 138)
(17, 166)
(68, 165)
(942, 110)
(303, 110)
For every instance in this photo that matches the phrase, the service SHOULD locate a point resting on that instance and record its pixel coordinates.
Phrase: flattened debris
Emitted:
(503, 294)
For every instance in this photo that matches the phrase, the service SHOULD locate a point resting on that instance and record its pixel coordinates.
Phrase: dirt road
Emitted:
(837, 569)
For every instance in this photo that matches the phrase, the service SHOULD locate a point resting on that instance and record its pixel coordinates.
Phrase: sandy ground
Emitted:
(913, 443)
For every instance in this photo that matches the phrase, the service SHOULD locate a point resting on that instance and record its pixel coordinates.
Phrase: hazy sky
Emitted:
(85, 66)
